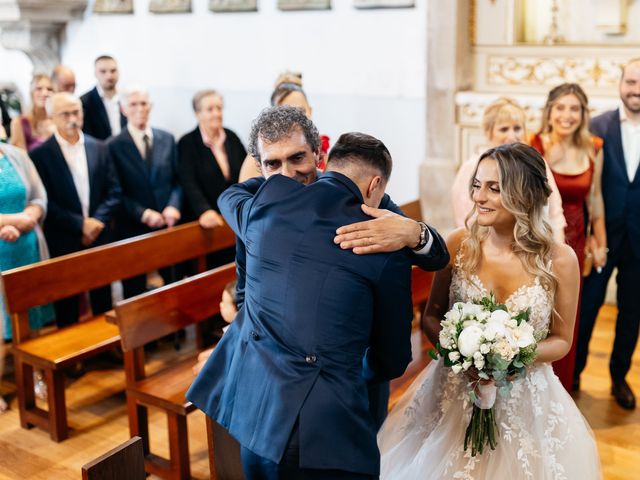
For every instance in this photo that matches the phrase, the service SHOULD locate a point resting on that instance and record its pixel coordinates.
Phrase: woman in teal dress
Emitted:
(23, 203)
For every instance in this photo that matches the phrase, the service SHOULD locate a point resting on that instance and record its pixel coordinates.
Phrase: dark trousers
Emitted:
(378, 402)
(68, 309)
(628, 321)
(259, 468)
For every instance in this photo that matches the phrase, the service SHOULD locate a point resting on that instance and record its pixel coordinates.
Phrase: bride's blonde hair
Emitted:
(524, 191)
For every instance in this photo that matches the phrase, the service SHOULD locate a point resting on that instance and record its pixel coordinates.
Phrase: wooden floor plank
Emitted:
(97, 416)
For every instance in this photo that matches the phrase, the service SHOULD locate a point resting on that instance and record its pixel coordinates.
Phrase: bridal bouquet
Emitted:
(494, 347)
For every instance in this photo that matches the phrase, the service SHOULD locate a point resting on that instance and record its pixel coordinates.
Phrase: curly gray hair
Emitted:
(276, 123)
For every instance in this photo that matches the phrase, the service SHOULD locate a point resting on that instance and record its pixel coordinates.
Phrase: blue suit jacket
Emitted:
(144, 185)
(621, 196)
(63, 223)
(318, 322)
(96, 121)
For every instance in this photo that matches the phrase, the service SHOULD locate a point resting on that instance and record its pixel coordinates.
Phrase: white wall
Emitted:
(363, 69)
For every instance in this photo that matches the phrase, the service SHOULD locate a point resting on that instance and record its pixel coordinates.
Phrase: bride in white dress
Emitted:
(508, 250)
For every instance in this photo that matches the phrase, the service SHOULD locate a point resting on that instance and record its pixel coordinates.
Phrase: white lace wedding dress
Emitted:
(543, 435)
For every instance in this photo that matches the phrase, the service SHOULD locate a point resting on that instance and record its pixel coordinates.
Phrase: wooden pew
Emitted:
(61, 277)
(125, 462)
(412, 210)
(148, 317)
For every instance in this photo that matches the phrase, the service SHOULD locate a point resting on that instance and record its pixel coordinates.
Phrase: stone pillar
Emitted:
(449, 69)
(35, 27)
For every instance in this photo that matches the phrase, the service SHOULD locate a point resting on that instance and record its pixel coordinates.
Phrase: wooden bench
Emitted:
(412, 210)
(148, 317)
(68, 275)
(125, 462)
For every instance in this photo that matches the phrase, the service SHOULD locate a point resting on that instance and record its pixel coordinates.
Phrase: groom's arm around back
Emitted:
(389, 353)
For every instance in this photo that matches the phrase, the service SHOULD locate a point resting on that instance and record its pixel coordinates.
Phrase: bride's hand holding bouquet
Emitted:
(492, 348)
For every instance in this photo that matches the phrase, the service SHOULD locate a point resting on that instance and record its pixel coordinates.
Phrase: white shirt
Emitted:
(112, 106)
(76, 158)
(138, 138)
(630, 143)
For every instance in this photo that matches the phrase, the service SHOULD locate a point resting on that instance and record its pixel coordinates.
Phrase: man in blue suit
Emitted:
(102, 115)
(83, 194)
(620, 130)
(145, 159)
(289, 378)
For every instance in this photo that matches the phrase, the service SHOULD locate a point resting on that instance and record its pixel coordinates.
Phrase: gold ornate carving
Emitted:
(534, 71)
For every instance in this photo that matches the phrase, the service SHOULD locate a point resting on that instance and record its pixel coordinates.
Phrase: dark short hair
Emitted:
(103, 57)
(275, 123)
(364, 149)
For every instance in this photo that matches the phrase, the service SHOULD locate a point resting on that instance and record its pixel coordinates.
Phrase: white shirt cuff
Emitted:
(424, 250)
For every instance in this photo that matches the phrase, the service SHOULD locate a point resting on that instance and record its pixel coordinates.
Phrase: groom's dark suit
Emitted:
(318, 322)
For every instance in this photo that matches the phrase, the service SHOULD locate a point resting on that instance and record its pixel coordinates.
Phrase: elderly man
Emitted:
(102, 114)
(63, 79)
(83, 194)
(145, 159)
(620, 130)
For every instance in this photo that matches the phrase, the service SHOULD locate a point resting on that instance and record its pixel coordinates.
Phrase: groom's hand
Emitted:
(387, 232)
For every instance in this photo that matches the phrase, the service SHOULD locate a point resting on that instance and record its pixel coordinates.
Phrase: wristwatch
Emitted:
(424, 236)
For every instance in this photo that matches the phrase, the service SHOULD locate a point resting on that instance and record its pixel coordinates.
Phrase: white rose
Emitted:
(454, 356)
(456, 368)
(469, 340)
(469, 310)
(523, 335)
(493, 330)
(479, 364)
(469, 323)
(478, 356)
(453, 315)
(500, 316)
(466, 364)
(484, 348)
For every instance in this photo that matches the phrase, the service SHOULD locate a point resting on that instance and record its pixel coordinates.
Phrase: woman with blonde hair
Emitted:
(32, 129)
(503, 121)
(509, 251)
(575, 158)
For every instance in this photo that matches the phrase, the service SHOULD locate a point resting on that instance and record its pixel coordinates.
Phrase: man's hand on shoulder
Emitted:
(386, 232)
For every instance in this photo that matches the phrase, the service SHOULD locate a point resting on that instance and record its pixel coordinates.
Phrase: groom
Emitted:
(289, 377)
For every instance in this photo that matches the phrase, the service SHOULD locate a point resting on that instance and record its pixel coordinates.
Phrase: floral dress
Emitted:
(543, 435)
(23, 251)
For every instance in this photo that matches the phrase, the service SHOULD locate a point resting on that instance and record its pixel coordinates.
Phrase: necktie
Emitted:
(147, 149)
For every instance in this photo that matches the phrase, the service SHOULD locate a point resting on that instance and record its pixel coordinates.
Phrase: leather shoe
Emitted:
(623, 395)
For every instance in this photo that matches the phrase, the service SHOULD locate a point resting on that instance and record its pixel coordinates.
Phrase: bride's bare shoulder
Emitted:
(454, 240)
(565, 261)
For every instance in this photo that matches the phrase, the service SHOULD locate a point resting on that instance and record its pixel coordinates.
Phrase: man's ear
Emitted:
(374, 184)
(317, 157)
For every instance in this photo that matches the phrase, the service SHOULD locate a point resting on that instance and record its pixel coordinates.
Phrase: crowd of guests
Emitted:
(96, 171)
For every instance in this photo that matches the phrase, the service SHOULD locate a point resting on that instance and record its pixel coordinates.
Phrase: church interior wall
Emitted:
(363, 70)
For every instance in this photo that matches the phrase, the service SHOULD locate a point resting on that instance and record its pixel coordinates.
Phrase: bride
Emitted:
(509, 251)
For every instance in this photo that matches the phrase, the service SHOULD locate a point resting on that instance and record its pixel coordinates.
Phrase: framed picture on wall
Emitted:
(304, 4)
(170, 6)
(233, 5)
(384, 3)
(113, 6)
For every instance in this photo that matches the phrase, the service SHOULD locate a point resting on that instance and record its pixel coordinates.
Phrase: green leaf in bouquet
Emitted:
(473, 396)
(505, 390)
(522, 315)
(499, 375)
(433, 354)
(497, 362)
(483, 375)
(518, 364)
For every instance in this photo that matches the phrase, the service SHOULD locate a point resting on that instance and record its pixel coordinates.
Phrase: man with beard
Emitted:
(620, 130)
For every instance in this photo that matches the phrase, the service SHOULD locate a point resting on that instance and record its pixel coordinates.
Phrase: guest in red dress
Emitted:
(287, 91)
(575, 158)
